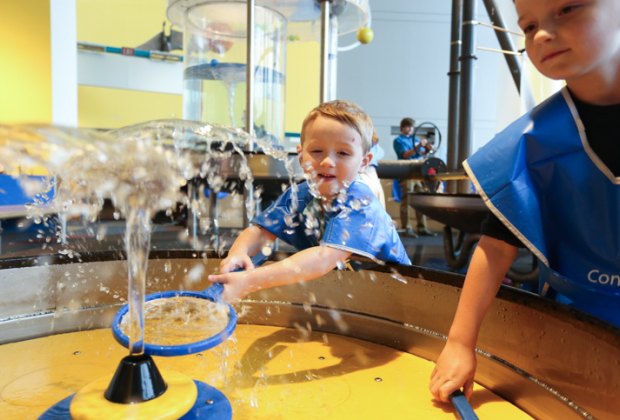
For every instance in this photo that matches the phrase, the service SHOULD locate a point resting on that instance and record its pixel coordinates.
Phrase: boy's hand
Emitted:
(236, 285)
(236, 262)
(455, 368)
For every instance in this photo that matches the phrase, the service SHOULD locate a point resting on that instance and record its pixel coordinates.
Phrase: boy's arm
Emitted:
(401, 151)
(456, 364)
(249, 242)
(305, 265)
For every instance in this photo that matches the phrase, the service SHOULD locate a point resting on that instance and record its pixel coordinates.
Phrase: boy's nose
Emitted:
(327, 161)
(544, 34)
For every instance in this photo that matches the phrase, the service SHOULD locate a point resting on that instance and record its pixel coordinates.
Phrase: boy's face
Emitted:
(574, 40)
(406, 130)
(332, 154)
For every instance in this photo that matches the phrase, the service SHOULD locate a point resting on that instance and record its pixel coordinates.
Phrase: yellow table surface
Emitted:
(265, 372)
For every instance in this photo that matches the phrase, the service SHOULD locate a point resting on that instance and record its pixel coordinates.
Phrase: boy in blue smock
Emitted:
(551, 180)
(327, 218)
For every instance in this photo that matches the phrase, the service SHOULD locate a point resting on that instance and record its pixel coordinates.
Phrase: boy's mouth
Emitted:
(326, 177)
(553, 55)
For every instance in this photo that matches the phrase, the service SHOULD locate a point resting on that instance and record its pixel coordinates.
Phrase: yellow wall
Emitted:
(25, 67)
(302, 82)
(101, 107)
(119, 23)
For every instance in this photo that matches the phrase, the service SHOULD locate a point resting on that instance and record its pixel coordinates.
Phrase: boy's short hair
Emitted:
(347, 113)
(407, 122)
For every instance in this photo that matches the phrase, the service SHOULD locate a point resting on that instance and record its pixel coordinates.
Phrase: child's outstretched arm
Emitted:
(308, 264)
(248, 243)
(456, 364)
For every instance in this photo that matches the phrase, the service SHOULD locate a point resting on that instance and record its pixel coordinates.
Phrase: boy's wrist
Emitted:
(465, 338)
(237, 251)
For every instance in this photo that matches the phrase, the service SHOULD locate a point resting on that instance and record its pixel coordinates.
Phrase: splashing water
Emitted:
(140, 168)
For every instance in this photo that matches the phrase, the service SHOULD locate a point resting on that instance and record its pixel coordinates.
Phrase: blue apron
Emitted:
(358, 224)
(541, 178)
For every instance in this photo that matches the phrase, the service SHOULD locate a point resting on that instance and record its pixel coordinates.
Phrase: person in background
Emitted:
(405, 147)
(329, 217)
(551, 180)
(369, 176)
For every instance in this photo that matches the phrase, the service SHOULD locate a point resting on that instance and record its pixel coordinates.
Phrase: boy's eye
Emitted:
(568, 9)
(528, 28)
(343, 153)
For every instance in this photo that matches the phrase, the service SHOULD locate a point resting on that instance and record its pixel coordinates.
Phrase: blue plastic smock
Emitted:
(358, 224)
(541, 178)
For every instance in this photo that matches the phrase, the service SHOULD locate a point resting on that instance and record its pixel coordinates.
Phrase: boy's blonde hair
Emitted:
(347, 113)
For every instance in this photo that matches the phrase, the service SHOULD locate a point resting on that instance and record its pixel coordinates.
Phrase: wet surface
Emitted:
(265, 372)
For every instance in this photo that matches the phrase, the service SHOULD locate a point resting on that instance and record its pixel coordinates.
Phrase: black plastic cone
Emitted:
(136, 379)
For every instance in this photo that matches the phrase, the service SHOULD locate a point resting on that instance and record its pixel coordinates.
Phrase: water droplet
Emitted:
(267, 250)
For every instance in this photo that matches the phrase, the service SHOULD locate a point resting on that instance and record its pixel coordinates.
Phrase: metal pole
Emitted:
(325, 12)
(453, 96)
(467, 79)
(249, 104)
(505, 42)
(249, 77)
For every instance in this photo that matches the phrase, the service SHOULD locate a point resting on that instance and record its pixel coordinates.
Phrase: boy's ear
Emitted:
(365, 161)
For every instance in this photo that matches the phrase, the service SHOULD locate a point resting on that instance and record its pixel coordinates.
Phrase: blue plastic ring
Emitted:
(183, 349)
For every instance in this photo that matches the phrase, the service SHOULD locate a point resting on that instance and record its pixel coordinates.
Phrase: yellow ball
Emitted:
(365, 35)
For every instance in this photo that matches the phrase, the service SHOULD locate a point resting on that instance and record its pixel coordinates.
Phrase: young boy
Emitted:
(552, 177)
(329, 217)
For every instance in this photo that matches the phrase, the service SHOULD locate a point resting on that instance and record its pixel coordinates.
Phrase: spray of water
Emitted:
(140, 168)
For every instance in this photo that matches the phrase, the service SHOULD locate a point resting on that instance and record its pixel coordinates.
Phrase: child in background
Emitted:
(406, 148)
(551, 179)
(327, 218)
